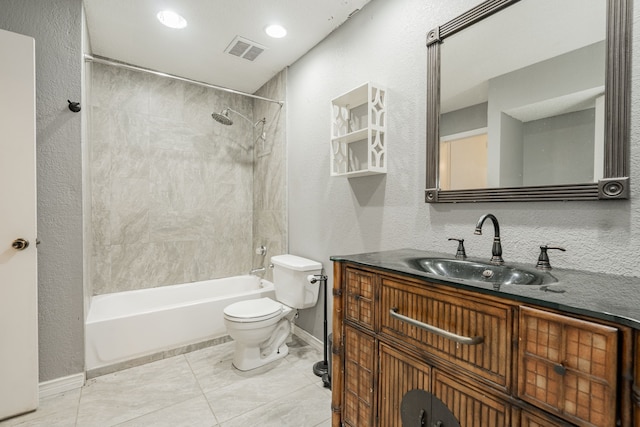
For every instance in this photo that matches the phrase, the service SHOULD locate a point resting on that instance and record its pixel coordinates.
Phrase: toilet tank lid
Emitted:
(294, 262)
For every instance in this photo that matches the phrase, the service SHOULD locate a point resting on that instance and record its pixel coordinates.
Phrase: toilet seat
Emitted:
(254, 310)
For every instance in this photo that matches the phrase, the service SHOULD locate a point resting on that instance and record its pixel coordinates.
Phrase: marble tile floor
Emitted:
(195, 389)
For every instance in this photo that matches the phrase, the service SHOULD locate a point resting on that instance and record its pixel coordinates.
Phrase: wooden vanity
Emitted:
(491, 359)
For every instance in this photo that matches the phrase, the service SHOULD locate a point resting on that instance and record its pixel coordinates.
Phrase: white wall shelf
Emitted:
(358, 132)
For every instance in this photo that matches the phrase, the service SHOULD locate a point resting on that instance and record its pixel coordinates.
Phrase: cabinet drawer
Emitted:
(399, 373)
(465, 316)
(470, 405)
(360, 292)
(359, 376)
(529, 419)
(568, 367)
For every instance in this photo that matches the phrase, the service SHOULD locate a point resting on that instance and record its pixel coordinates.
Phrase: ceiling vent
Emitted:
(244, 48)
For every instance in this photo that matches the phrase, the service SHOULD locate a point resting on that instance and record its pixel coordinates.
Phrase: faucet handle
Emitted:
(543, 259)
(460, 252)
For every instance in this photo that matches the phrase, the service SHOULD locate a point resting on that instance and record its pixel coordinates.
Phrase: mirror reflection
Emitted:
(522, 97)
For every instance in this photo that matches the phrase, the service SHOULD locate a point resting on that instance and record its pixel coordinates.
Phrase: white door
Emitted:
(18, 262)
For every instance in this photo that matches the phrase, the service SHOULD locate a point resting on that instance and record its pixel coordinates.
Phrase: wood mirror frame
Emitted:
(615, 181)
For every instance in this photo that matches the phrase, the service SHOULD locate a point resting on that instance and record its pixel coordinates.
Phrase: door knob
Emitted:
(20, 244)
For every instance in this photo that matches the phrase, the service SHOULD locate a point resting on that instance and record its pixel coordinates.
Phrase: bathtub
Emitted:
(127, 325)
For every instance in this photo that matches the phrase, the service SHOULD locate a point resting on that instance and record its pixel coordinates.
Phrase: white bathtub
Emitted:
(126, 325)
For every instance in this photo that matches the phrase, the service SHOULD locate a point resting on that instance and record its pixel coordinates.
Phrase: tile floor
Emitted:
(196, 389)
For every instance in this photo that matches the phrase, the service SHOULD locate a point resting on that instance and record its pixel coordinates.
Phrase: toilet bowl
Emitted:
(261, 327)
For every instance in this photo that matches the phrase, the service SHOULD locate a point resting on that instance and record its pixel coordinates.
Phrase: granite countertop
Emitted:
(601, 296)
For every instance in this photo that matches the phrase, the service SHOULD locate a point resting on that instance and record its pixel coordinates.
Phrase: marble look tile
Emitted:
(129, 146)
(180, 226)
(163, 171)
(270, 228)
(209, 261)
(125, 395)
(213, 369)
(170, 134)
(146, 265)
(198, 107)
(254, 390)
(59, 410)
(129, 213)
(180, 182)
(307, 406)
(232, 243)
(100, 268)
(101, 214)
(191, 390)
(302, 357)
(115, 87)
(191, 413)
(166, 97)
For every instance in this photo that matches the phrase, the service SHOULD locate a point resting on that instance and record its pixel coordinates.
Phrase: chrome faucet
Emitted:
(257, 270)
(496, 249)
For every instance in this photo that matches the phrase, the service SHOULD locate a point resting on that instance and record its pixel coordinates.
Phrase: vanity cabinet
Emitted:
(487, 360)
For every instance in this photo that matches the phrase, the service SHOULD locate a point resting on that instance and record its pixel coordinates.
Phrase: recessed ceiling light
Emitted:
(276, 31)
(171, 19)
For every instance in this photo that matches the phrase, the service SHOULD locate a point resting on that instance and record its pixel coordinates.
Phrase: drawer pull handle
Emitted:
(437, 331)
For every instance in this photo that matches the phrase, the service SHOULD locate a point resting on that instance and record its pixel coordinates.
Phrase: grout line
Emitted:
(215, 417)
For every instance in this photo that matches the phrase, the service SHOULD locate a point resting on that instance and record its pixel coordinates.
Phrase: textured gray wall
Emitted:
(56, 26)
(385, 43)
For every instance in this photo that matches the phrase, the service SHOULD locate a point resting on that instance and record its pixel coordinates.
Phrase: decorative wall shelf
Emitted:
(358, 128)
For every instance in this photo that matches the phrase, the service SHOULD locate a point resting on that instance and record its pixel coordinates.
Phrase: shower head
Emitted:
(223, 117)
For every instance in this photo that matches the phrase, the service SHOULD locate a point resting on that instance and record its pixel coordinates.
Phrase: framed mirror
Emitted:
(528, 100)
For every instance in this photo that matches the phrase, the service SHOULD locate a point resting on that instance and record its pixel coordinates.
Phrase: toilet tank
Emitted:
(290, 274)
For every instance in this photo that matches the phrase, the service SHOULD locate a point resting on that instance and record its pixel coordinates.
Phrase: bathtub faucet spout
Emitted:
(257, 270)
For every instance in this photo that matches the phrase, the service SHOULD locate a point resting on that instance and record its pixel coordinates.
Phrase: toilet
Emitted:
(260, 327)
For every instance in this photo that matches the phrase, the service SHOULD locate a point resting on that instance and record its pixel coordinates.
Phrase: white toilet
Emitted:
(260, 327)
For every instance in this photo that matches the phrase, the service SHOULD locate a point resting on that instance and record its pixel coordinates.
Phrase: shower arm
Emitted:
(263, 120)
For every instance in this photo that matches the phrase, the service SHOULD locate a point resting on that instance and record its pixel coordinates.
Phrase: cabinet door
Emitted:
(399, 373)
(471, 405)
(359, 288)
(636, 387)
(568, 367)
(359, 376)
(455, 313)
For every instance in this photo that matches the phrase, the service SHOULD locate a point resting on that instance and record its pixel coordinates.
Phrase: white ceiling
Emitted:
(128, 31)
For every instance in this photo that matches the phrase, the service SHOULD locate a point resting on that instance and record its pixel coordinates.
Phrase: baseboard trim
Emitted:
(310, 339)
(60, 385)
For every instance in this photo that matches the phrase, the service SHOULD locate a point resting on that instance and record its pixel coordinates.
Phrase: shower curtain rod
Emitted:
(104, 60)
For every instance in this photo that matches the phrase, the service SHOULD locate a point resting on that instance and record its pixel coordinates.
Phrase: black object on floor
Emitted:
(321, 368)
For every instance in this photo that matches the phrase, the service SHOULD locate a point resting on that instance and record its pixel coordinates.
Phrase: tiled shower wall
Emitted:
(269, 178)
(171, 189)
